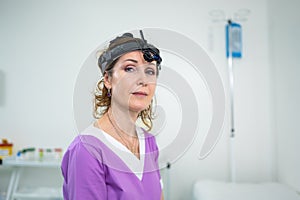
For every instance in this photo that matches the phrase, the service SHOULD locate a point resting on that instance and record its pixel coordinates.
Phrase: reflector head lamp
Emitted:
(150, 52)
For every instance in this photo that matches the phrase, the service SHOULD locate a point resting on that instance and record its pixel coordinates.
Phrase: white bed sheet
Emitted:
(217, 190)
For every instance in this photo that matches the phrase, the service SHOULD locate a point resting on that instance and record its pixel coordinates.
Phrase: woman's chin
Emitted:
(138, 108)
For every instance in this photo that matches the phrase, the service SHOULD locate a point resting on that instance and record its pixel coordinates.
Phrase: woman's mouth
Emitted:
(140, 93)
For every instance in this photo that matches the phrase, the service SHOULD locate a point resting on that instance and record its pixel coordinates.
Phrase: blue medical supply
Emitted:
(233, 40)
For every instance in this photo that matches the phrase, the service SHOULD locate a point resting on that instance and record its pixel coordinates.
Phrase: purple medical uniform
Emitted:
(92, 170)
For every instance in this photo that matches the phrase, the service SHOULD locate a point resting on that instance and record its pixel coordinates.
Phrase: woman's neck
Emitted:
(124, 120)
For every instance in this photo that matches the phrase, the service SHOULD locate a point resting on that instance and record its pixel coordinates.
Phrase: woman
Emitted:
(113, 158)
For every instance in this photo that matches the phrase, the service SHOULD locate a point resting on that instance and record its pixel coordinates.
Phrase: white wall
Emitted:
(285, 48)
(44, 44)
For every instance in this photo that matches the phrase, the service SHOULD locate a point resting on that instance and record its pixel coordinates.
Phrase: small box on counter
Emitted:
(6, 148)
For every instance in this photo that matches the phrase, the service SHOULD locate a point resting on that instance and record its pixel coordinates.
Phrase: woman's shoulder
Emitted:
(149, 138)
(86, 144)
(142, 133)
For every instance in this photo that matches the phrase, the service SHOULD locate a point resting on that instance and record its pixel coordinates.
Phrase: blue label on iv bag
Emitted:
(233, 40)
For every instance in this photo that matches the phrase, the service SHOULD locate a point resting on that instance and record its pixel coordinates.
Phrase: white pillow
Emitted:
(216, 190)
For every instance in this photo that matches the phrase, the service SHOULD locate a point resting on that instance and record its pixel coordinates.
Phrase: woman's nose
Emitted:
(142, 82)
(142, 78)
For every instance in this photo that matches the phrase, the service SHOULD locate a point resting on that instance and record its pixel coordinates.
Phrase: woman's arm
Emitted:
(83, 175)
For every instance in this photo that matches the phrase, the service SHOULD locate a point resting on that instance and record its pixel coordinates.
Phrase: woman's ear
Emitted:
(107, 80)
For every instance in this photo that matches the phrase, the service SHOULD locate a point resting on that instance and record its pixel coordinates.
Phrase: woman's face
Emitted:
(133, 82)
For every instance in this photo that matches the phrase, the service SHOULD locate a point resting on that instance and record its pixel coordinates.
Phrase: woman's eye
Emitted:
(150, 72)
(129, 69)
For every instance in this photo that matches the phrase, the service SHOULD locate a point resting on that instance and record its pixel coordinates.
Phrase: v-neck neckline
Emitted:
(135, 165)
(122, 147)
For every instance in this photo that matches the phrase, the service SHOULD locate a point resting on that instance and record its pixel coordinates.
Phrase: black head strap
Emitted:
(150, 52)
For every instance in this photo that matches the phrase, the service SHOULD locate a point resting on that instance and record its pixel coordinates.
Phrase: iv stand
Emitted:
(232, 130)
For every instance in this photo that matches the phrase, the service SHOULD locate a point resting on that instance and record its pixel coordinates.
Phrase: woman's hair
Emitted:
(102, 100)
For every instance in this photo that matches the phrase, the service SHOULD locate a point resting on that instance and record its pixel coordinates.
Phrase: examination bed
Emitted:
(217, 190)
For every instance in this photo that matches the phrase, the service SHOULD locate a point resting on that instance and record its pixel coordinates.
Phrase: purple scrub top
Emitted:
(92, 170)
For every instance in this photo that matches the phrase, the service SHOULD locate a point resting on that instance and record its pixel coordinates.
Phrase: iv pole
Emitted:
(233, 50)
(231, 87)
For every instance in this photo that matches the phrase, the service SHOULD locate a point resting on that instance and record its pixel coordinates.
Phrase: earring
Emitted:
(108, 93)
